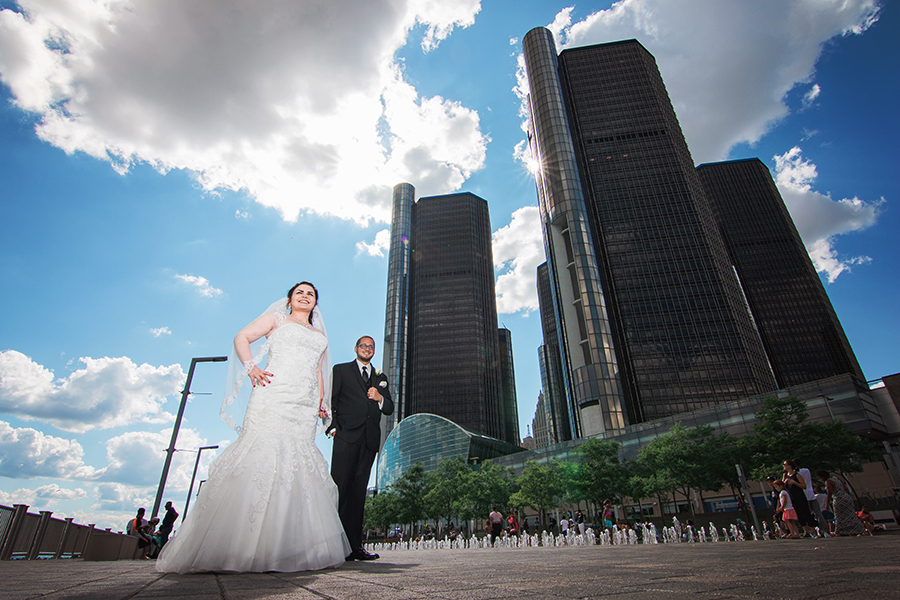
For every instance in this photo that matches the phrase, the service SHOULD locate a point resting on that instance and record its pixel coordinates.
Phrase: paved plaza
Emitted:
(833, 568)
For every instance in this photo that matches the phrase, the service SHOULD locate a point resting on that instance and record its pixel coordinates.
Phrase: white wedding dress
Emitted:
(269, 503)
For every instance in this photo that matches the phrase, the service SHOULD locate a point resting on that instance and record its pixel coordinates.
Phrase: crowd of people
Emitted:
(804, 508)
(150, 539)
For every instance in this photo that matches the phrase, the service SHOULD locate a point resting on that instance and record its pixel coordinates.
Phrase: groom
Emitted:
(359, 396)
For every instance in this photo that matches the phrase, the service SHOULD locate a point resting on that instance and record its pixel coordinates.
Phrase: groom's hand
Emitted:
(375, 395)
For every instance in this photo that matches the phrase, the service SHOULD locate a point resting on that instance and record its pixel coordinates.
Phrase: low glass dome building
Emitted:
(429, 439)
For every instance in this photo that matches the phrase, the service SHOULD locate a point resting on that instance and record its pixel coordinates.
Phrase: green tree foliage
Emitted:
(574, 482)
(602, 474)
(382, 511)
(540, 487)
(411, 488)
(448, 489)
(490, 486)
(684, 459)
(783, 432)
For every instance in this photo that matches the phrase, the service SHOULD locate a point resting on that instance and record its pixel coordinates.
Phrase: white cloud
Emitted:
(817, 216)
(381, 244)
(202, 284)
(107, 392)
(810, 96)
(125, 499)
(159, 331)
(518, 250)
(136, 459)
(727, 65)
(46, 495)
(26, 453)
(300, 106)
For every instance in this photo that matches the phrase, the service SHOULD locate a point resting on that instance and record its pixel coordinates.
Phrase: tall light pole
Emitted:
(171, 449)
(193, 477)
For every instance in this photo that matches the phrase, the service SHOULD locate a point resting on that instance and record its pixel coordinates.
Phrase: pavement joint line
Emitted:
(220, 586)
(81, 583)
(144, 587)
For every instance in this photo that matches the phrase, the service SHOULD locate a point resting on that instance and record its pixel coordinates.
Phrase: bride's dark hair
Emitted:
(294, 287)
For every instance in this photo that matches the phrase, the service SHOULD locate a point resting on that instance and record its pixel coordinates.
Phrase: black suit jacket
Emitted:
(355, 417)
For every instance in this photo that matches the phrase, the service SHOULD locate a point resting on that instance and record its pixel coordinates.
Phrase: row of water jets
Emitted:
(675, 534)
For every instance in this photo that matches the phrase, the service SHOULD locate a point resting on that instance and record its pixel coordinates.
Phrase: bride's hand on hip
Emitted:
(258, 376)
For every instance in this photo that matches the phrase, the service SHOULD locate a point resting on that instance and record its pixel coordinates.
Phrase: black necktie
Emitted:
(366, 374)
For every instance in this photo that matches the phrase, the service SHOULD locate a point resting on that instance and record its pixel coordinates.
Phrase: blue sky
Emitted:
(169, 169)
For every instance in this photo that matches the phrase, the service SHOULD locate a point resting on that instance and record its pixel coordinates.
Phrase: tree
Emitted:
(449, 486)
(411, 488)
(539, 488)
(490, 486)
(603, 475)
(684, 459)
(782, 432)
(382, 511)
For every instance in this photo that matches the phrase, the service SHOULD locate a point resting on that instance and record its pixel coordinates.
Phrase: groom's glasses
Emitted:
(366, 346)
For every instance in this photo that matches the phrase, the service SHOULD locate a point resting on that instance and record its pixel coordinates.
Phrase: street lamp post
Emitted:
(193, 477)
(171, 449)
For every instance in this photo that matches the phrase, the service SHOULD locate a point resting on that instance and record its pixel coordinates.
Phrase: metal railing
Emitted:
(30, 536)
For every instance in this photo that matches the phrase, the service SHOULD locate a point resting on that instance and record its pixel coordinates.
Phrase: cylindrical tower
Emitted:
(585, 338)
(397, 306)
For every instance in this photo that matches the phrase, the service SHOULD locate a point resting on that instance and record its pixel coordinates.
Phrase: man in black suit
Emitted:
(359, 396)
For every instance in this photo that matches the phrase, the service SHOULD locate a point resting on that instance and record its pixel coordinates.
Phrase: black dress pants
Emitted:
(351, 465)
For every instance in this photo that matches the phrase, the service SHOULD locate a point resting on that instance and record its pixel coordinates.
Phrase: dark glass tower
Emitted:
(627, 224)
(441, 334)
(802, 335)
(559, 413)
(508, 388)
(396, 321)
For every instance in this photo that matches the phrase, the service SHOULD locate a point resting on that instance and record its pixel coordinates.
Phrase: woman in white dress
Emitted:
(269, 503)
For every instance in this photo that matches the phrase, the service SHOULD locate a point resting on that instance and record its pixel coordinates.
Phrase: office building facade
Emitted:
(803, 338)
(645, 297)
(442, 343)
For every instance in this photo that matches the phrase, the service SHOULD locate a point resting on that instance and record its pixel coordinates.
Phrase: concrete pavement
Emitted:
(835, 568)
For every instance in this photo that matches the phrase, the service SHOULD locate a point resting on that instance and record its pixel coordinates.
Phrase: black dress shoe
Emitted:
(360, 554)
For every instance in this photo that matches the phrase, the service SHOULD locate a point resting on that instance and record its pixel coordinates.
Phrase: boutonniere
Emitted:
(377, 371)
(382, 384)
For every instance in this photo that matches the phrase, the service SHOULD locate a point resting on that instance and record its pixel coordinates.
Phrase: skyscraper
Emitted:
(508, 401)
(558, 418)
(540, 424)
(442, 343)
(801, 333)
(651, 318)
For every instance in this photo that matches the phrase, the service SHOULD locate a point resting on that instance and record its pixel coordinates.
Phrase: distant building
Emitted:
(559, 409)
(429, 439)
(540, 425)
(442, 343)
(509, 403)
(800, 331)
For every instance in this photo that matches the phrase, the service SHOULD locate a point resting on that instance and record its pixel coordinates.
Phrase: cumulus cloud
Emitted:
(136, 459)
(44, 496)
(727, 65)
(107, 392)
(124, 499)
(518, 250)
(818, 217)
(294, 103)
(159, 331)
(202, 284)
(26, 453)
(381, 244)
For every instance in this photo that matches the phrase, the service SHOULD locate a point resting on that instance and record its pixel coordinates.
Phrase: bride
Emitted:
(269, 503)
